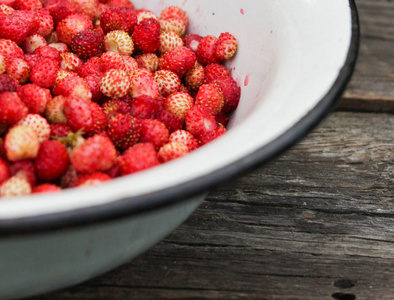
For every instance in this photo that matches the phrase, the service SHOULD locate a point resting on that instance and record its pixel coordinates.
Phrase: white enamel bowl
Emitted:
(293, 62)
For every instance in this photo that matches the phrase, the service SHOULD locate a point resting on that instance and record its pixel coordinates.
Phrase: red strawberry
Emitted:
(192, 41)
(143, 14)
(231, 93)
(93, 82)
(146, 35)
(60, 130)
(27, 4)
(54, 111)
(172, 150)
(4, 171)
(178, 60)
(8, 84)
(117, 3)
(199, 121)
(38, 124)
(44, 73)
(28, 17)
(179, 104)
(195, 77)
(32, 42)
(35, 97)
(52, 160)
(148, 61)
(87, 43)
(184, 137)
(206, 50)
(118, 18)
(15, 186)
(32, 59)
(73, 86)
(144, 107)
(89, 68)
(172, 122)
(96, 153)
(174, 12)
(114, 107)
(48, 52)
(222, 119)
(78, 114)
(45, 188)
(21, 142)
(60, 9)
(111, 60)
(10, 48)
(18, 69)
(119, 41)
(139, 157)
(154, 132)
(213, 71)
(12, 109)
(143, 83)
(24, 169)
(115, 83)
(129, 64)
(72, 25)
(210, 136)
(87, 7)
(45, 22)
(167, 81)
(90, 179)
(99, 119)
(211, 97)
(124, 131)
(226, 46)
(168, 41)
(14, 28)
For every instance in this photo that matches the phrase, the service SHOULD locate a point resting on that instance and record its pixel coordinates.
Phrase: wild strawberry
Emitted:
(29, 18)
(68, 179)
(54, 111)
(96, 153)
(143, 83)
(59, 130)
(12, 109)
(144, 107)
(73, 86)
(124, 131)
(24, 169)
(10, 48)
(185, 137)
(118, 18)
(226, 46)
(168, 82)
(192, 41)
(3, 63)
(172, 150)
(32, 59)
(52, 160)
(175, 25)
(208, 137)
(222, 119)
(4, 171)
(99, 119)
(179, 104)
(14, 28)
(154, 132)
(172, 121)
(206, 50)
(195, 77)
(60, 9)
(211, 97)
(87, 7)
(32, 42)
(111, 60)
(174, 12)
(46, 188)
(35, 97)
(146, 35)
(38, 124)
(213, 71)
(178, 60)
(199, 121)
(45, 22)
(129, 64)
(231, 93)
(78, 114)
(60, 47)
(70, 62)
(18, 69)
(48, 52)
(119, 3)
(21, 142)
(8, 84)
(6, 10)
(90, 179)
(168, 41)
(27, 4)
(61, 74)
(141, 156)
(115, 83)
(114, 107)
(15, 186)
(143, 14)
(93, 82)
(44, 73)
(89, 68)
(148, 61)
(87, 43)
(72, 25)
(119, 41)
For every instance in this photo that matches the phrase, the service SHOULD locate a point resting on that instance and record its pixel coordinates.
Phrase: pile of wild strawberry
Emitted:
(95, 89)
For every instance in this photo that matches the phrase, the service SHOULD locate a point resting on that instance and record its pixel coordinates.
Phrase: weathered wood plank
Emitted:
(316, 223)
(372, 86)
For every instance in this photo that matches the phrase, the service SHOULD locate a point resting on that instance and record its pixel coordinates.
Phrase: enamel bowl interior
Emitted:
(289, 57)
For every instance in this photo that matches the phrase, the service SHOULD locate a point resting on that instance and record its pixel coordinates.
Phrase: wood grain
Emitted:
(316, 223)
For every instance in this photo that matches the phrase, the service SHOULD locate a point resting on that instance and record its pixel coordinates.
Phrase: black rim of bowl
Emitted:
(136, 205)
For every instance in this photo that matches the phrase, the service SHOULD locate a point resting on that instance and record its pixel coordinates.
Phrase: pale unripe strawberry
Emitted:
(174, 12)
(115, 83)
(21, 142)
(144, 14)
(18, 69)
(179, 104)
(184, 137)
(169, 40)
(175, 25)
(38, 124)
(3, 63)
(119, 41)
(172, 150)
(61, 47)
(54, 111)
(15, 186)
(149, 61)
(70, 62)
(195, 77)
(33, 42)
(168, 82)
(61, 74)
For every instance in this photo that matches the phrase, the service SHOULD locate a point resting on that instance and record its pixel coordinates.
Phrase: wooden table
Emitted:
(316, 223)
